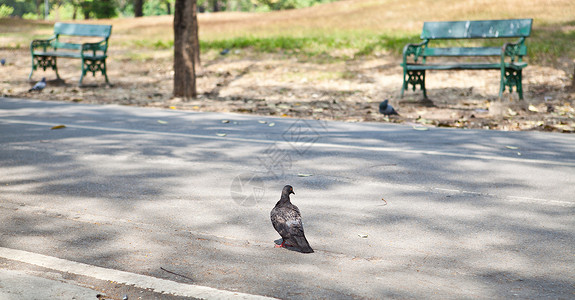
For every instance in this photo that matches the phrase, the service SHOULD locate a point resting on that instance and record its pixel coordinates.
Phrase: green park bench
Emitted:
(510, 54)
(92, 54)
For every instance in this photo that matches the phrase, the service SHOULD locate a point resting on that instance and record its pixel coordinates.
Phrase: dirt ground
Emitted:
(328, 89)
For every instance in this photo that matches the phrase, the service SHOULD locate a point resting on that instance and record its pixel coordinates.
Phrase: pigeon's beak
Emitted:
(292, 192)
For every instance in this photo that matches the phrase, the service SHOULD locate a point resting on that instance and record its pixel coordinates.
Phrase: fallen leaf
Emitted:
(262, 121)
(221, 134)
(511, 112)
(363, 236)
(304, 175)
(533, 108)
(512, 147)
(58, 127)
(272, 124)
(162, 122)
(77, 100)
(420, 128)
(172, 107)
(225, 121)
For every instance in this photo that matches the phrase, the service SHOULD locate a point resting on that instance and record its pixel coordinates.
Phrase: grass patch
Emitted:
(361, 44)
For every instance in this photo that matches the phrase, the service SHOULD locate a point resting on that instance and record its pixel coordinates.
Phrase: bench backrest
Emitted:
(85, 30)
(82, 30)
(477, 29)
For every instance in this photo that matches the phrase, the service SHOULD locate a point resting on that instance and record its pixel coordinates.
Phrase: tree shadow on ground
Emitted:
(124, 191)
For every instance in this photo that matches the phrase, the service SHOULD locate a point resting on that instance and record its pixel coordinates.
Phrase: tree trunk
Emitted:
(186, 48)
(138, 8)
(168, 7)
(216, 6)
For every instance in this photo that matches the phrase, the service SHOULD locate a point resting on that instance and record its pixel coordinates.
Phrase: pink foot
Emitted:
(283, 245)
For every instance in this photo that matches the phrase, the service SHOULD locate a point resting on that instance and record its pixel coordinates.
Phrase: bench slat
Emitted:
(477, 29)
(462, 51)
(466, 66)
(468, 51)
(87, 55)
(60, 45)
(83, 29)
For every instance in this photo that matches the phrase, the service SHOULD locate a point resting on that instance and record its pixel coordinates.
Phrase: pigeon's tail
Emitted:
(302, 244)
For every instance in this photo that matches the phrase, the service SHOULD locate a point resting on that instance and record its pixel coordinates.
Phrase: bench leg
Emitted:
(33, 68)
(104, 72)
(511, 78)
(414, 77)
(83, 72)
(519, 84)
(44, 62)
(55, 68)
(502, 84)
(422, 84)
(403, 85)
(93, 66)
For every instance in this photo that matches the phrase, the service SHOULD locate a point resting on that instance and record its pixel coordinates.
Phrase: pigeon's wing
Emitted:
(279, 217)
(289, 225)
(297, 236)
(38, 86)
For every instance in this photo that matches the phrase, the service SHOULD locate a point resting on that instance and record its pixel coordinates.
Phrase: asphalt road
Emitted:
(125, 193)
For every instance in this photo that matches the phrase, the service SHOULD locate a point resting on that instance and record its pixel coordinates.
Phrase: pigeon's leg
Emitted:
(283, 245)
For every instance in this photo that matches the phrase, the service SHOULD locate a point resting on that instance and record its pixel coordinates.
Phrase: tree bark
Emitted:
(186, 48)
(168, 7)
(138, 8)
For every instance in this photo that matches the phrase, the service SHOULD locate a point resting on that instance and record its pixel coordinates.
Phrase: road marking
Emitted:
(316, 144)
(141, 281)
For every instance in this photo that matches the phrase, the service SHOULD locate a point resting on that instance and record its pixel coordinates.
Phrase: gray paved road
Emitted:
(466, 214)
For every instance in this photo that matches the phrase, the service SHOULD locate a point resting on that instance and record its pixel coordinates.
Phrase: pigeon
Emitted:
(386, 108)
(3, 61)
(225, 51)
(39, 86)
(286, 220)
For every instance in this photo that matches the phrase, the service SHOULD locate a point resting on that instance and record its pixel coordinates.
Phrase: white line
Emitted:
(122, 277)
(317, 144)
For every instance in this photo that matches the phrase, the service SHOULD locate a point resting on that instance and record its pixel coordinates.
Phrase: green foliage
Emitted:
(31, 9)
(287, 4)
(30, 16)
(19, 7)
(155, 8)
(5, 11)
(99, 9)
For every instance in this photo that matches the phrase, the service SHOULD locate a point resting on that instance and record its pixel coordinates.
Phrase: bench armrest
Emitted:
(41, 43)
(414, 49)
(99, 46)
(513, 50)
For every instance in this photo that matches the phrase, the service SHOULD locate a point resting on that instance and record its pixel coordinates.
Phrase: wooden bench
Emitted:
(92, 54)
(510, 54)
